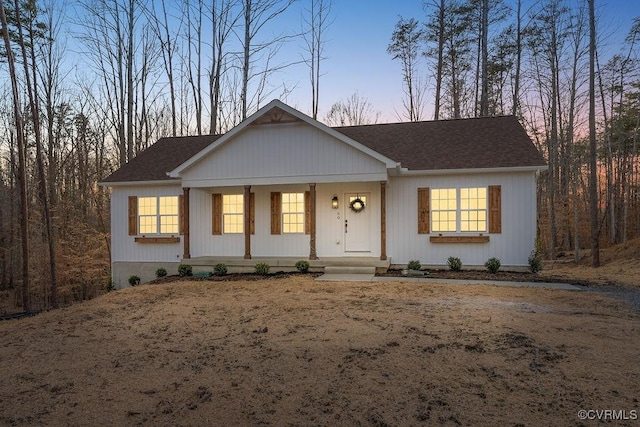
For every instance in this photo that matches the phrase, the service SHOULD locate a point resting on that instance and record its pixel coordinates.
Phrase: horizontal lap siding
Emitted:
(512, 246)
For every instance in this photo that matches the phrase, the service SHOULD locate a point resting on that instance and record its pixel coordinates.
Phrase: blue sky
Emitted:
(357, 59)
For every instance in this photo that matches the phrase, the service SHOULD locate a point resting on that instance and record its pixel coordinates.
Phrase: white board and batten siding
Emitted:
(283, 154)
(123, 247)
(512, 246)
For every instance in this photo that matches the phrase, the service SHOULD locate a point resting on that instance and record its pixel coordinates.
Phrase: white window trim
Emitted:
(459, 210)
(235, 214)
(159, 217)
(283, 213)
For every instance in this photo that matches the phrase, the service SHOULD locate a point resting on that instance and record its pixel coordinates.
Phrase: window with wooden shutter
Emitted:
(495, 209)
(133, 215)
(423, 210)
(216, 214)
(276, 209)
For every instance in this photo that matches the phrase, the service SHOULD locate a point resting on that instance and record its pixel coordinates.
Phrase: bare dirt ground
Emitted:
(293, 351)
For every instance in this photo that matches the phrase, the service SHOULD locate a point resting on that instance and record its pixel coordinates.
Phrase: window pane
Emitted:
(147, 205)
(169, 224)
(148, 225)
(168, 205)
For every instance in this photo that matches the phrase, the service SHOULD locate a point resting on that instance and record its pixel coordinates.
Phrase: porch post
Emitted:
(247, 222)
(383, 220)
(312, 232)
(185, 215)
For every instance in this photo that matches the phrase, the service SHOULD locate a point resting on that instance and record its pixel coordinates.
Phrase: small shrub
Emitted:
(185, 270)
(161, 272)
(302, 266)
(110, 286)
(414, 264)
(134, 280)
(535, 261)
(454, 263)
(262, 268)
(493, 265)
(220, 269)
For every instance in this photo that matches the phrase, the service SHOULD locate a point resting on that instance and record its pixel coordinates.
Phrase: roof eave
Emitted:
(133, 183)
(467, 171)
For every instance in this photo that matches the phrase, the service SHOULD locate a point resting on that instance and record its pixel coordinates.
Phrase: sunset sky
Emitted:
(357, 58)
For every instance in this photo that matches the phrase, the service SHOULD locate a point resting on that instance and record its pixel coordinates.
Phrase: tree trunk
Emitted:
(22, 169)
(593, 153)
(440, 63)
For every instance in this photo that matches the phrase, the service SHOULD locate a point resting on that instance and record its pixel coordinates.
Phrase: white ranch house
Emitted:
(281, 187)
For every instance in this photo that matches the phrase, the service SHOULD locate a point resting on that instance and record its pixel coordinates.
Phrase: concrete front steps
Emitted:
(338, 269)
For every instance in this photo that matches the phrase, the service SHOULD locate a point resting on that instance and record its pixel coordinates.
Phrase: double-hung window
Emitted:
(459, 209)
(293, 212)
(158, 215)
(233, 213)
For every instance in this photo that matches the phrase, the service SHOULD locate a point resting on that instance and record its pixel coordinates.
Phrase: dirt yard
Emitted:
(293, 351)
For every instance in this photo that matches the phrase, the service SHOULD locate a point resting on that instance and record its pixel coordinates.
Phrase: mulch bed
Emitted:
(508, 276)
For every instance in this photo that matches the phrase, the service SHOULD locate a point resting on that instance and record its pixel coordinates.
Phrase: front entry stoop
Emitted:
(345, 269)
(344, 273)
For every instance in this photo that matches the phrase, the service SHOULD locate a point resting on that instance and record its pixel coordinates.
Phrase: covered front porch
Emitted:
(332, 229)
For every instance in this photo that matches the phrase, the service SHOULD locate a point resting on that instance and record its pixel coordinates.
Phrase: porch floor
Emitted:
(241, 265)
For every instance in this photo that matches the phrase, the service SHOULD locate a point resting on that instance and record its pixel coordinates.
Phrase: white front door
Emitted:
(357, 225)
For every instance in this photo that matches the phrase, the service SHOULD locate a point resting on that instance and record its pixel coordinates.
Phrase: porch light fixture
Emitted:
(334, 202)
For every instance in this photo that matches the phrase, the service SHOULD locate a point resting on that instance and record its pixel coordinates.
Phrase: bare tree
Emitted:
(405, 46)
(436, 33)
(352, 111)
(593, 153)
(110, 35)
(257, 14)
(22, 169)
(484, 74)
(163, 31)
(316, 22)
(223, 21)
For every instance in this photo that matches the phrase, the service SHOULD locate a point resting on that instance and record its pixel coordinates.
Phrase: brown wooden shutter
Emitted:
(276, 210)
(133, 215)
(181, 214)
(252, 213)
(216, 214)
(307, 212)
(495, 209)
(423, 211)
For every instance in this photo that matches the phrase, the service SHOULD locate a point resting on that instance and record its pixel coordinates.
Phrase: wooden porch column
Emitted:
(312, 231)
(247, 222)
(185, 215)
(383, 220)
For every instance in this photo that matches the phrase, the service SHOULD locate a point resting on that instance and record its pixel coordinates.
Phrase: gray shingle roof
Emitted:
(165, 155)
(490, 142)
